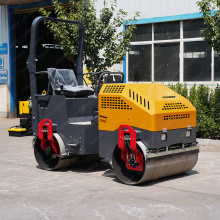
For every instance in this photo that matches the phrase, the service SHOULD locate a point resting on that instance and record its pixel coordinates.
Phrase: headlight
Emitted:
(163, 136)
(188, 133)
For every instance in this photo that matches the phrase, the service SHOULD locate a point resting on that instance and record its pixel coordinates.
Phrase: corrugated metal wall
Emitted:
(154, 8)
(3, 24)
(4, 38)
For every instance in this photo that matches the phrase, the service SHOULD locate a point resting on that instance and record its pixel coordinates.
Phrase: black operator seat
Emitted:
(64, 82)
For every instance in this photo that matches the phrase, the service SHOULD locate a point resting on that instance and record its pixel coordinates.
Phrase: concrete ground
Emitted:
(93, 192)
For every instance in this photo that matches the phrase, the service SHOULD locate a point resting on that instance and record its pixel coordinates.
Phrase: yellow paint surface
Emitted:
(152, 107)
(23, 107)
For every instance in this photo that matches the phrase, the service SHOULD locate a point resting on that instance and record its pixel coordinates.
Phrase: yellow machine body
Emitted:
(151, 107)
(23, 107)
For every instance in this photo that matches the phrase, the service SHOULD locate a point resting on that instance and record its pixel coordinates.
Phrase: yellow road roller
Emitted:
(147, 130)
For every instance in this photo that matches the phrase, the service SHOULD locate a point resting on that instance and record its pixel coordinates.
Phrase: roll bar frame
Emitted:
(32, 58)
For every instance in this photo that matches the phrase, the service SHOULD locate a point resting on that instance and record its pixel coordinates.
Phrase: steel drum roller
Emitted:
(154, 167)
(48, 161)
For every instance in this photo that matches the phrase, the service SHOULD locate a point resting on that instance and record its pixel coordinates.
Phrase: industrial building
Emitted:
(166, 47)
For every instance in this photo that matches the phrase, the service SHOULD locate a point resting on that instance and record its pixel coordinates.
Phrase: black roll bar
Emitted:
(32, 59)
(108, 72)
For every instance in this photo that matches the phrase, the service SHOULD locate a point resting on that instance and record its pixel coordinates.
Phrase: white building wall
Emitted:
(4, 38)
(154, 8)
(151, 9)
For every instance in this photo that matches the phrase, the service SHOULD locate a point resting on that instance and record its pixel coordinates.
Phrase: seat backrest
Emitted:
(64, 82)
(61, 77)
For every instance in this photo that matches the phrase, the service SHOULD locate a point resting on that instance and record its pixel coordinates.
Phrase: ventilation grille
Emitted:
(114, 103)
(171, 106)
(114, 89)
(139, 99)
(180, 116)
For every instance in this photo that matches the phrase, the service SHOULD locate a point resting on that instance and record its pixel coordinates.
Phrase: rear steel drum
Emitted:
(48, 161)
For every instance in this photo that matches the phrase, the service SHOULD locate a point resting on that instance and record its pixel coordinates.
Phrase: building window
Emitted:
(167, 30)
(142, 33)
(197, 61)
(191, 28)
(166, 57)
(217, 67)
(172, 51)
(140, 63)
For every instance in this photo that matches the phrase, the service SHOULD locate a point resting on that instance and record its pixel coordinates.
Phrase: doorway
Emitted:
(49, 54)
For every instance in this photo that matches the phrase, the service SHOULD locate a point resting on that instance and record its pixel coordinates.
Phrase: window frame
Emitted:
(181, 40)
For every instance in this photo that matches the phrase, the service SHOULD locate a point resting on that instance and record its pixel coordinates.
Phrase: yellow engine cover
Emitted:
(23, 107)
(152, 107)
